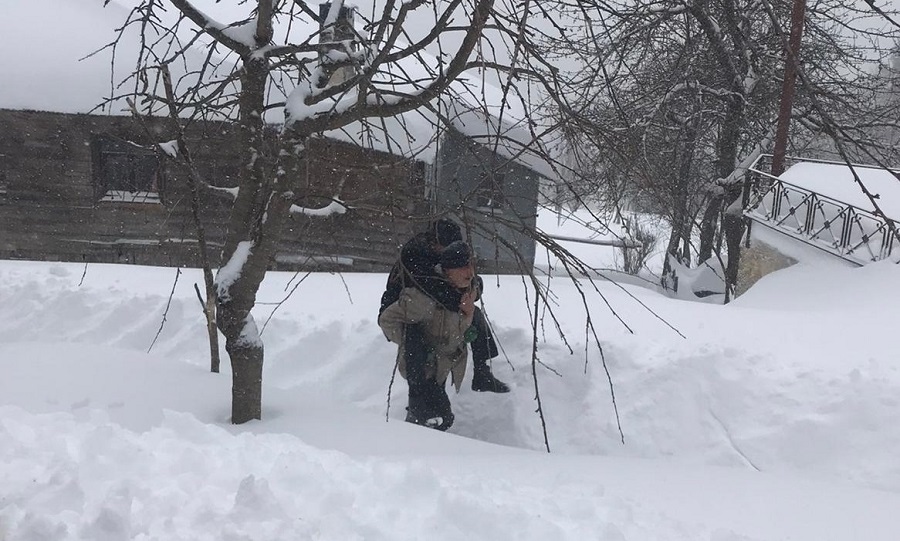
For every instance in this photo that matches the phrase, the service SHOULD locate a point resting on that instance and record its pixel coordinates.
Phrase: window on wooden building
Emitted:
(489, 194)
(125, 172)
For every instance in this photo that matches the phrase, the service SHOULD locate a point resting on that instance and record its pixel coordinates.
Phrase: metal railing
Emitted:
(844, 230)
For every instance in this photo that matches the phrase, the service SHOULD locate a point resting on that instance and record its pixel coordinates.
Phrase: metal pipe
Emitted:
(618, 243)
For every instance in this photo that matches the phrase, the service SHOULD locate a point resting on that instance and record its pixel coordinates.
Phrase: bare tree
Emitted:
(673, 97)
(288, 71)
(323, 72)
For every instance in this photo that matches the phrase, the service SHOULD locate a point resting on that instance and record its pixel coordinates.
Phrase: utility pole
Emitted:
(791, 60)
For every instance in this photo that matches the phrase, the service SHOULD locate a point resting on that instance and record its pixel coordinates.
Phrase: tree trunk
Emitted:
(255, 228)
(708, 228)
(212, 331)
(686, 231)
(734, 230)
(733, 227)
(242, 340)
(209, 303)
(726, 161)
(681, 224)
(246, 381)
(668, 279)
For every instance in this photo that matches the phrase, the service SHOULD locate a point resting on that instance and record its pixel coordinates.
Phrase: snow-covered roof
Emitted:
(54, 72)
(44, 44)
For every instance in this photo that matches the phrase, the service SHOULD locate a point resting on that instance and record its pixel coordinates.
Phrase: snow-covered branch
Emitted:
(234, 40)
(737, 176)
(343, 103)
(231, 193)
(230, 272)
(170, 148)
(335, 207)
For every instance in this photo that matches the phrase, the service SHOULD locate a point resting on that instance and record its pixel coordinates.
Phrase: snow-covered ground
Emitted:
(771, 418)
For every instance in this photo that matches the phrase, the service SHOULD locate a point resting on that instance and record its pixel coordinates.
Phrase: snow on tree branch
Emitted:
(242, 32)
(231, 271)
(249, 336)
(230, 192)
(213, 28)
(335, 207)
(170, 148)
(305, 114)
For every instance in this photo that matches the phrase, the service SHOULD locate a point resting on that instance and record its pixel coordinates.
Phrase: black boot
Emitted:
(417, 411)
(429, 406)
(441, 412)
(415, 351)
(484, 381)
(438, 422)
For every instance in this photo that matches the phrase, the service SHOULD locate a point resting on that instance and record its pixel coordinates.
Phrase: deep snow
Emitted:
(774, 418)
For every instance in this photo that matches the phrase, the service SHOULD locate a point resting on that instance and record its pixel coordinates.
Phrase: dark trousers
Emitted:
(427, 396)
(484, 347)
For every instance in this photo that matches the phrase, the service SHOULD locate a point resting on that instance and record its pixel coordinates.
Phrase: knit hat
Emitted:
(446, 231)
(456, 255)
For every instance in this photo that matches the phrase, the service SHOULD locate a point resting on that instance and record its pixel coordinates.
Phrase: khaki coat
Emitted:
(444, 333)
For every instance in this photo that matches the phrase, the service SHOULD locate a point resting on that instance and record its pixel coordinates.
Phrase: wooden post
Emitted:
(791, 57)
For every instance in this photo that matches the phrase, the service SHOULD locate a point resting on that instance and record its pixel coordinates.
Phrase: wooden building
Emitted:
(77, 187)
(493, 196)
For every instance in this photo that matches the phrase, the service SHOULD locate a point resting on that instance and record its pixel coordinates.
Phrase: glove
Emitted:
(471, 334)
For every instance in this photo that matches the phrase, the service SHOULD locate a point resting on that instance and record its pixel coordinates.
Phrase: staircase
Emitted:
(846, 231)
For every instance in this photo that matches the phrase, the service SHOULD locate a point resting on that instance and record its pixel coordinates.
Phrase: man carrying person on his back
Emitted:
(445, 334)
(416, 268)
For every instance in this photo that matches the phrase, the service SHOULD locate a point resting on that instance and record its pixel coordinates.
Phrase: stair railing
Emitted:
(849, 232)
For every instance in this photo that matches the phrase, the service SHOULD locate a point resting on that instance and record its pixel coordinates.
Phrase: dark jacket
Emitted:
(417, 268)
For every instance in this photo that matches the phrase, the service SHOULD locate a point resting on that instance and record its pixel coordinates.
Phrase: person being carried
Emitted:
(445, 335)
(419, 257)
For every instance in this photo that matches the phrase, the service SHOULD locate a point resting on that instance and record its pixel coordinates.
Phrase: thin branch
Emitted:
(83, 274)
(282, 301)
(387, 410)
(166, 311)
(534, 375)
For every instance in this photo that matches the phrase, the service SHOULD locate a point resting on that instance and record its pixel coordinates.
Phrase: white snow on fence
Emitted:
(837, 182)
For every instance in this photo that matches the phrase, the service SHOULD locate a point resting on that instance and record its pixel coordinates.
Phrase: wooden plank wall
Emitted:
(49, 211)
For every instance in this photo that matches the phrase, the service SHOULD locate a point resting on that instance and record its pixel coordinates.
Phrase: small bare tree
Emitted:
(634, 257)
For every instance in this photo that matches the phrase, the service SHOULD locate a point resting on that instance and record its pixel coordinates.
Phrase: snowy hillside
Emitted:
(772, 418)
